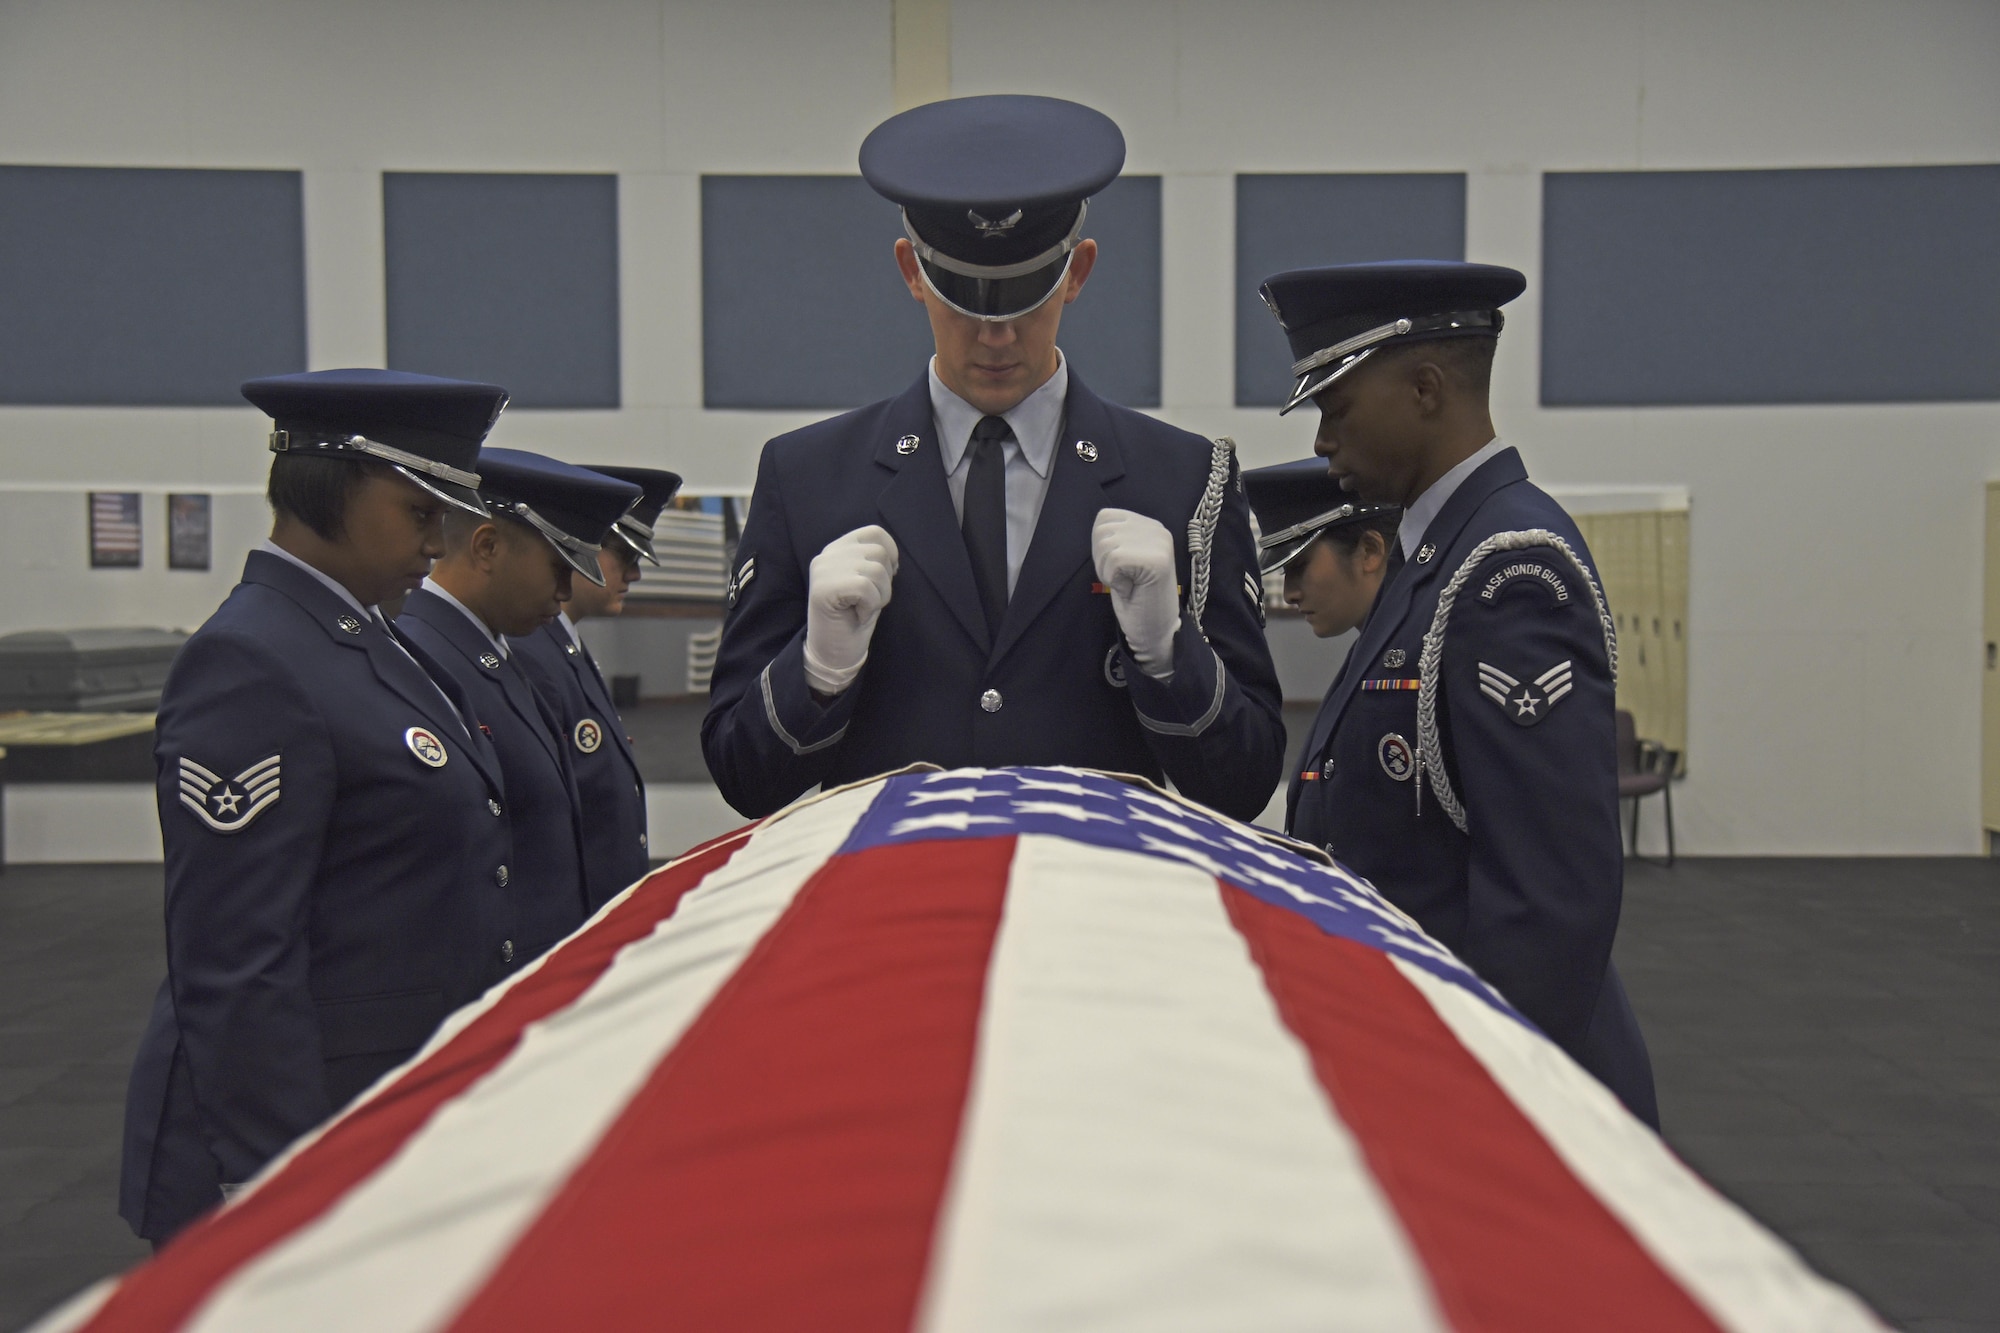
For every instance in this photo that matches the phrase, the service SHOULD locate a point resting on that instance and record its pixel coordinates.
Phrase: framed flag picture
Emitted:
(188, 531)
(114, 529)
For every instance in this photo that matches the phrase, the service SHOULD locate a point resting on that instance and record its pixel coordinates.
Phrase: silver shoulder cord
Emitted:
(1201, 528)
(1430, 746)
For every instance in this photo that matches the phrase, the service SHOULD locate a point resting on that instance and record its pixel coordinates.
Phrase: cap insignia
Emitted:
(993, 231)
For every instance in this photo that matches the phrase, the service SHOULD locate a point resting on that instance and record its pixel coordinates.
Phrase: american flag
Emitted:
(114, 528)
(1017, 1049)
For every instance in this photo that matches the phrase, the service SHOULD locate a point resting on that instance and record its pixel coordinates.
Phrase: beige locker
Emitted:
(1989, 768)
(1673, 642)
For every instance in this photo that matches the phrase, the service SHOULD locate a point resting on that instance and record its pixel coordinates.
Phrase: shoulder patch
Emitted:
(1515, 570)
(739, 581)
(227, 805)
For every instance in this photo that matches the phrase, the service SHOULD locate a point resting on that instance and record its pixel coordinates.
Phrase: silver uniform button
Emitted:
(506, 951)
(642, 841)
(991, 701)
(500, 877)
(494, 806)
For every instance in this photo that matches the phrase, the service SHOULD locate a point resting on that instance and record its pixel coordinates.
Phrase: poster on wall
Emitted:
(187, 532)
(114, 529)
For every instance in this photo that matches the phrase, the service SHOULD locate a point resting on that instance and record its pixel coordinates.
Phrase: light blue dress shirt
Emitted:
(1036, 420)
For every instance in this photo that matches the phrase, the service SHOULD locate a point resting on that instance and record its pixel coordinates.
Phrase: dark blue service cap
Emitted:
(1337, 317)
(428, 429)
(635, 526)
(571, 506)
(1295, 503)
(993, 191)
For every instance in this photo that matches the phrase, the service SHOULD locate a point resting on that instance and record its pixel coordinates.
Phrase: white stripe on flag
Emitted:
(408, 1246)
(1146, 1146)
(1746, 1278)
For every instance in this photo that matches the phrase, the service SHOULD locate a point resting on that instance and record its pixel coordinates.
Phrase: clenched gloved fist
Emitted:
(847, 587)
(1134, 555)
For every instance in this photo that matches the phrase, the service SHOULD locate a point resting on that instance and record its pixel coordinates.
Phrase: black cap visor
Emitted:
(454, 486)
(578, 553)
(1280, 548)
(995, 299)
(636, 537)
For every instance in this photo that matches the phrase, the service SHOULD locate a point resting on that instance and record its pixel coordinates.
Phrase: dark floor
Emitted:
(1826, 1034)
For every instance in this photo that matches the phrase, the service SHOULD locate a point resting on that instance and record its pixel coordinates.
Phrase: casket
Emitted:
(86, 670)
(1021, 1049)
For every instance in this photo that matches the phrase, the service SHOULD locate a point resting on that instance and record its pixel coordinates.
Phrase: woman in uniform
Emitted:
(336, 851)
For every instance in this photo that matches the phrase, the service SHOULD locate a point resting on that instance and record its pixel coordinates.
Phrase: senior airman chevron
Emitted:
(997, 1049)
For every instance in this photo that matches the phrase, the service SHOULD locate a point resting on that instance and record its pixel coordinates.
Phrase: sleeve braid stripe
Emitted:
(1430, 745)
(1201, 528)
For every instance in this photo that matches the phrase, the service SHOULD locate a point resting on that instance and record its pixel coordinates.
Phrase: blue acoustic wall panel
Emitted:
(803, 308)
(1302, 221)
(509, 278)
(1843, 285)
(148, 287)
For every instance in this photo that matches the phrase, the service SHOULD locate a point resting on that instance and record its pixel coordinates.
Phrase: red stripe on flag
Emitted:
(782, 1168)
(1512, 1240)
(165, 1292)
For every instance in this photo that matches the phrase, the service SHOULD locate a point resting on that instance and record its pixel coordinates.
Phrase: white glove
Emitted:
(847, 588)
(1135, 561)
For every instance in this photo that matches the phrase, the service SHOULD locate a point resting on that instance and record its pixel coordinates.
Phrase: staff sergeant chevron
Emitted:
(1526, 704)
(234, 801)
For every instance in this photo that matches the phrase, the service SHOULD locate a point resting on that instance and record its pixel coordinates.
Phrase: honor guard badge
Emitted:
(227, 805)
(426, 747)
(1396, 757)
(1114, 670)
(1525, 702)
(588, 735)
(1394, 658)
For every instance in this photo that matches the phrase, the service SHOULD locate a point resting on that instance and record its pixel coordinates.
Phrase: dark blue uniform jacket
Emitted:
(1065, 689)
(600, 754)
(330, 892)
(546, 881)
(1528, 894)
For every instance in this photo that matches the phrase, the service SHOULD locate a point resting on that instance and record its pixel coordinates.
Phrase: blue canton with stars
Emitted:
(1104, 812)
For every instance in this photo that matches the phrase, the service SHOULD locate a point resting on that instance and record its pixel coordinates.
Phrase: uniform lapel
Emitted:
(411, 681)
(916, 507)
(1060, 550)
(466, 639)
(595, 689)
(1400, 593)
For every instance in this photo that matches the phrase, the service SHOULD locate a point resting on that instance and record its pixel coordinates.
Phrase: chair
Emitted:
(1645, 767)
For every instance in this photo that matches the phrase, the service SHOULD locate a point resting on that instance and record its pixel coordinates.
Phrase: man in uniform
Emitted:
(329, 808)
(1464, 759)
(608, 783)
(509, 574)
(996, 566)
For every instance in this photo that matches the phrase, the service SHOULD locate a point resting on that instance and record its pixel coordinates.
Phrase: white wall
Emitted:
(1835, 639)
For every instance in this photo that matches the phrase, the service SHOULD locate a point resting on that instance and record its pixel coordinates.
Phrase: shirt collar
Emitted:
(333, 585)
(499, 644)
(1417, 518)
(569, 628)
(1035, 419)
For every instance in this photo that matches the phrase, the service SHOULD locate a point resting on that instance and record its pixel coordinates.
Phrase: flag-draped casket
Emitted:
(1021, 1049)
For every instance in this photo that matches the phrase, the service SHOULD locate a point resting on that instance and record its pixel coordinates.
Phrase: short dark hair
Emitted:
(1467, 360)
(315, 489)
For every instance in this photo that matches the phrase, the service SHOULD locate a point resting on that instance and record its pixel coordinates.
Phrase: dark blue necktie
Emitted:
(983, 519)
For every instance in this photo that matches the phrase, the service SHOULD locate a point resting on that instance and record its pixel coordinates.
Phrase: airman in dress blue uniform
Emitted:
(332, 818)
(509, 574)
(1464, 759)
(996, 566)
(608, 782)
